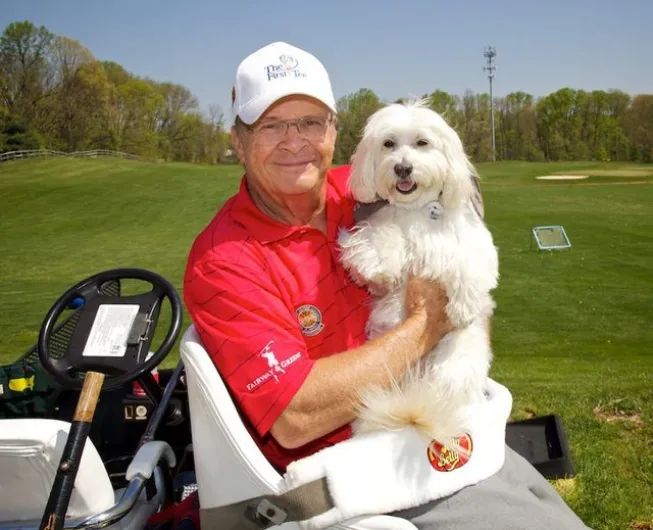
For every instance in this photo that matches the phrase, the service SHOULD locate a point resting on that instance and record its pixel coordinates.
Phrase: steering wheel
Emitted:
(113, 332)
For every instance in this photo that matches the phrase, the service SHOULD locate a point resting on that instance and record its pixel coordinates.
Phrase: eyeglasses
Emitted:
(311, 128)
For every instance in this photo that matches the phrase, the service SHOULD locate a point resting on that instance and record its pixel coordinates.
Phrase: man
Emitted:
(281, 319)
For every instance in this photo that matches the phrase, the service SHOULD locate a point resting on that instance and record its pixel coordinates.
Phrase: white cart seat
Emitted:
(229, 466)
(30, 452)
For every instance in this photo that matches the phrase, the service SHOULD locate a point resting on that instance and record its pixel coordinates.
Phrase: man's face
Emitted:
(280, 161)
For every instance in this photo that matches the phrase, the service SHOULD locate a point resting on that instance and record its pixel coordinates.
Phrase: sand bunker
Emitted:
(623, 172)
(563, 177)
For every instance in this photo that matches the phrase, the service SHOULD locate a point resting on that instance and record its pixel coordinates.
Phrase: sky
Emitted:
(398, 49)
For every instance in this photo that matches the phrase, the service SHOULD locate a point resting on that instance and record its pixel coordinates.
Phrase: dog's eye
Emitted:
(422, 143)
(389, 144)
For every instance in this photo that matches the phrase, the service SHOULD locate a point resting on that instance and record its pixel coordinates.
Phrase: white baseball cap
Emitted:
(273, 72)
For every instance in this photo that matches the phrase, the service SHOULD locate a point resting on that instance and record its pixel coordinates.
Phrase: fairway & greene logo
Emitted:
(275, 368)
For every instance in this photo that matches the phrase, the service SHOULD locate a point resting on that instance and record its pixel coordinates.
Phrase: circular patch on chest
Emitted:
(310, 319)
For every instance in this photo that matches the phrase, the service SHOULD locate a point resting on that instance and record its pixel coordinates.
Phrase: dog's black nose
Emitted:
(403, 170)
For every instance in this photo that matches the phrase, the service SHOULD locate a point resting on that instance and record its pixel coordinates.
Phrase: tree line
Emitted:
(55, 94)
(564, 125)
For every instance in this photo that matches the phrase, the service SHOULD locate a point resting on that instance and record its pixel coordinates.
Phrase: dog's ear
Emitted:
(362, 181)
(477, 196)
(458, 186)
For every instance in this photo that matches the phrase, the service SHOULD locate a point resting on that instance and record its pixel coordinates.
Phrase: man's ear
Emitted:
(237, 143)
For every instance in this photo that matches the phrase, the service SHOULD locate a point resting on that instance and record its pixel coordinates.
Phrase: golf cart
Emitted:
(93, 436)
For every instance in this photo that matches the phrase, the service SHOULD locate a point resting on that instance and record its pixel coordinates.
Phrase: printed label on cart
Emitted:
(108, 337)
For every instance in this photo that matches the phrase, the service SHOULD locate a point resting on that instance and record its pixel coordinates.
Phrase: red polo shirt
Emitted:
(268, 299)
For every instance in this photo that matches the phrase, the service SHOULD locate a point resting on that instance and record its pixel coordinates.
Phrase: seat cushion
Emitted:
(30, 451)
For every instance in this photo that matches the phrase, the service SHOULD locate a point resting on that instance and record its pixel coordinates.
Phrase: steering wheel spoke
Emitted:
(63, 366)
(158, 291)
(89, 290)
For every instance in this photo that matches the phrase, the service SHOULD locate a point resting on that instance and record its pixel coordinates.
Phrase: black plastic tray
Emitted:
(543, 442)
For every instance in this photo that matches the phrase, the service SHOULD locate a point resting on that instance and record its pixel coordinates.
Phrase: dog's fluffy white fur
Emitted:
(411, 158)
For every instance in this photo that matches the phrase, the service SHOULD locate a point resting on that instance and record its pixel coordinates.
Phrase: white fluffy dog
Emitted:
(427, 220)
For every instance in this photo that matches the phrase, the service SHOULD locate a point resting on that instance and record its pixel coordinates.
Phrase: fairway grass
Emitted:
(572, 332)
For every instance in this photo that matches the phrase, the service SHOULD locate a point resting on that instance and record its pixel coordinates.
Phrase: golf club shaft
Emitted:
(64, 481)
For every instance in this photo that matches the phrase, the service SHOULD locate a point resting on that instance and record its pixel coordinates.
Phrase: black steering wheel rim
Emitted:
(85, 286)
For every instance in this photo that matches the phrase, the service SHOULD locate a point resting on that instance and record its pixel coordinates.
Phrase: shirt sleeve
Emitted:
(251, 335)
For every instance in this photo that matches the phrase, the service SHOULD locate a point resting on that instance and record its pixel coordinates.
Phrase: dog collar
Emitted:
(364, 210)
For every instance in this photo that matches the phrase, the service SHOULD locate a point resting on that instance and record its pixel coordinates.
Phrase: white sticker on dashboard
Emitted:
(108, 337)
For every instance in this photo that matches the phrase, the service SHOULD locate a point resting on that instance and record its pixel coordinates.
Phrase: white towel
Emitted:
(380, 472)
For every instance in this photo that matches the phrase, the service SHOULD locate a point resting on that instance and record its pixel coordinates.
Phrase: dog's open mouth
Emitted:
(406, 186)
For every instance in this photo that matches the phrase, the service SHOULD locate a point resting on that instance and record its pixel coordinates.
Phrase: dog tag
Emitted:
(435, 210)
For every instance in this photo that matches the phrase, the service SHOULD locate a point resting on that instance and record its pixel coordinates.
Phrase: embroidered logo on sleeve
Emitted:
(447, 459)
(310, 319)
(275, 368)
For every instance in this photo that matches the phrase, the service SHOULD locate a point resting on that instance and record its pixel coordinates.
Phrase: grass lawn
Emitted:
(572, 333)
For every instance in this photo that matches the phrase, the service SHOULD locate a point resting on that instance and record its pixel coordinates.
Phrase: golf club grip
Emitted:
(64, 481)
(88, 397)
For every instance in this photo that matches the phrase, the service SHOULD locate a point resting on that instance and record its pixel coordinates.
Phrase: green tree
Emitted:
(24, 67)
(448, 106)
(353, 112)
(639, 127)
(516, 130)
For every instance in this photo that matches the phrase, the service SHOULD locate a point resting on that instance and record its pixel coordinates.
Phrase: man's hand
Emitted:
(428, 299)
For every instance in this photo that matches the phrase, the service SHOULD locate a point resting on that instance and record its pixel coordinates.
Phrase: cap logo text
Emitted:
(287, 67)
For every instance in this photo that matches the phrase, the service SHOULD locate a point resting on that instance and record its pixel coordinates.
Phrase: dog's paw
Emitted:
(378, 286)
(365, 255)
(350, 245)
(344, 239)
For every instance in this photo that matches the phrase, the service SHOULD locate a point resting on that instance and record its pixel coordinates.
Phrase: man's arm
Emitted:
(329, 396)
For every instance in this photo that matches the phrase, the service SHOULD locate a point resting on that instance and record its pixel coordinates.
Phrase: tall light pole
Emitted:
(489, 54)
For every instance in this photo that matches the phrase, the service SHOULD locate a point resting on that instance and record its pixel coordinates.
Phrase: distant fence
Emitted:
(38, 153)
